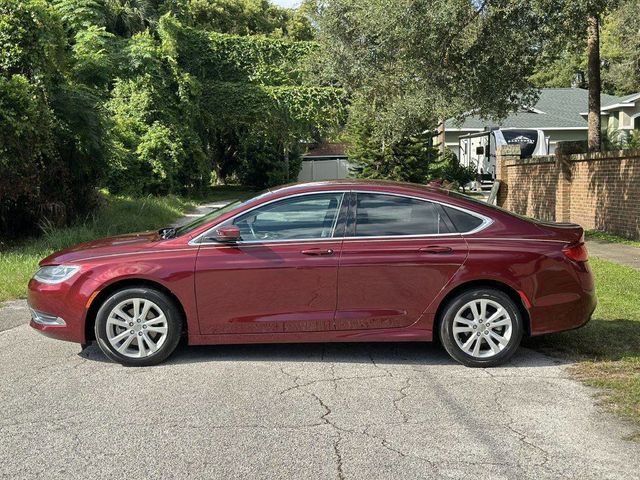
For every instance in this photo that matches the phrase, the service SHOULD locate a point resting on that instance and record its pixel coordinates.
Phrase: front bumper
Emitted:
(42, 318)
(59, 311)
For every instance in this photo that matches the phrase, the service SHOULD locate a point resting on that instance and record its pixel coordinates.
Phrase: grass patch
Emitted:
(597, 235)
(607, 349)
(117, 215)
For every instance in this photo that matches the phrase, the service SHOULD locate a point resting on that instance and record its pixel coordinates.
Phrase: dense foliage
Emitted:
(168, 96)
(147, 96)
(409, 64)
(564, 64)
(51, 129)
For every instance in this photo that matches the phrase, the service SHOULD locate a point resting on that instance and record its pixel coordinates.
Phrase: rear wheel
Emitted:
(138, 327)
(481, 327)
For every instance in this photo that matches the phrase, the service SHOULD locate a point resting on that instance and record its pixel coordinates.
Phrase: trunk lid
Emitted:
(569, 232)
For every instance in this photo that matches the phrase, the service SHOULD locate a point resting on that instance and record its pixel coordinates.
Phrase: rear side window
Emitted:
(463, 221)
(386, 215)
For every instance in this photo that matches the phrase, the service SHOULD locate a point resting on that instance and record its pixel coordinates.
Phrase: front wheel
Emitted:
(138, 327)
(481, 327)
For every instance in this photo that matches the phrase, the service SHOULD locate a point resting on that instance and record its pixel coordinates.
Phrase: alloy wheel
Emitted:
(137, 328)
(482, 328)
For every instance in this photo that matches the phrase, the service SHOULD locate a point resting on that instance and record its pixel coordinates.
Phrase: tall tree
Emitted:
(127, 17)
(620, 49)
(242, 17)
(579, 20)
(407, 64)
(566, 62)
(594, 140)
(573, 27)
(52, 134)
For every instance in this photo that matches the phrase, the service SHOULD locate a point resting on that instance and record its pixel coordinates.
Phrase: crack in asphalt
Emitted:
(344, 435)
(388, 446)
(403, 395)
(334, 380)
(384, 442)
(522, 437)
(324, 418)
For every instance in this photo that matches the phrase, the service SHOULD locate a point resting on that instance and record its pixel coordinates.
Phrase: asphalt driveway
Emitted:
(341, 411)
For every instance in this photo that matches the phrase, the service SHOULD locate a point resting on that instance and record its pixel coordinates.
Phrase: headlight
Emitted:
(53, 274)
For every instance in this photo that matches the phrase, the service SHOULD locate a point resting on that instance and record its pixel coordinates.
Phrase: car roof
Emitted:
(449, 197)
(348, 184)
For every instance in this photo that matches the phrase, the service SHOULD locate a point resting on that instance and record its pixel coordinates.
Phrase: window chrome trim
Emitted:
(335, 220)
(195, 241)
(486, 221)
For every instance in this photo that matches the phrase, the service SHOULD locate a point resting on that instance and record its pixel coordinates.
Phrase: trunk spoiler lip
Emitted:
(569, 232)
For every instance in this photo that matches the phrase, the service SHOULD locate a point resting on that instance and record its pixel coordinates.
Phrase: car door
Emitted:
(281, 277)
(398, 253)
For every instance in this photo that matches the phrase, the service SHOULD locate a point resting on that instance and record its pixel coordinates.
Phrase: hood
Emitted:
(120, 244)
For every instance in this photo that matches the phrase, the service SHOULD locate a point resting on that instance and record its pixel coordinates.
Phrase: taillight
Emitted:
(576, 252)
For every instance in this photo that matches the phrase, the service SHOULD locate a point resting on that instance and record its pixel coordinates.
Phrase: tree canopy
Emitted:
(409, 64)
(163, 96)
(565, 63)
(149, 96)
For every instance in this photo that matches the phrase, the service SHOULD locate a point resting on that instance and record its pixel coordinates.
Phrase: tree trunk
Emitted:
(218, 163)
(593, 73)
(441, 132)
(286, 162)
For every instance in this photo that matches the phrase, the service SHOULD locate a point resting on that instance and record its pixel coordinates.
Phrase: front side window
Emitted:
(303, 217)
(390, 215)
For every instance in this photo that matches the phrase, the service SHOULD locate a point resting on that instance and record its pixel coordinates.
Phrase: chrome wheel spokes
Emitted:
(137, 328)
(482, 328)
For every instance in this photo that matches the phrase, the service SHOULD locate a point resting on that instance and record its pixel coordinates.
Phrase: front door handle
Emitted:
(435, 249)
(317, 251)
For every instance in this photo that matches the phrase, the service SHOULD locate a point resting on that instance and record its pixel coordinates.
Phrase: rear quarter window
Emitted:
(462, 221)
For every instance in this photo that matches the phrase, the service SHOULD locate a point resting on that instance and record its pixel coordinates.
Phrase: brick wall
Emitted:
(600, 191)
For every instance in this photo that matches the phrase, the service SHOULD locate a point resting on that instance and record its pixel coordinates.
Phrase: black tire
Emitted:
(163, 302)
(447, 335)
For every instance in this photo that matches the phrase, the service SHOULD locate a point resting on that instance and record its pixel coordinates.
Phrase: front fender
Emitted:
(174, 273)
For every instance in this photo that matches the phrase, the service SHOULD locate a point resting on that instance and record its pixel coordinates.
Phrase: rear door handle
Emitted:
(317, 251)
(435, 249)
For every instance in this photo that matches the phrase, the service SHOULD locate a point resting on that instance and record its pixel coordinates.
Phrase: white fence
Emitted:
(316, 169)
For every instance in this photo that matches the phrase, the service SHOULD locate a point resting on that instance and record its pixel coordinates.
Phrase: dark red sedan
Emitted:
(342, 261)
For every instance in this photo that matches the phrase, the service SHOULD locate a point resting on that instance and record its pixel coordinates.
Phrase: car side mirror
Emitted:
(228, 234)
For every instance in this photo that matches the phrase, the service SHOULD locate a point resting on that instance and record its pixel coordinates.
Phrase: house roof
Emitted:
(328, 150)
(630, 98)
(557, 108)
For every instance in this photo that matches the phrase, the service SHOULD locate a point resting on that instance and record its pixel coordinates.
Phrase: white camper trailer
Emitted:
(479, 149)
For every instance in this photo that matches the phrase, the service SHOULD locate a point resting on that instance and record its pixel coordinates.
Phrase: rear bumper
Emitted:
(561, 317)
(59, 311)
(566, 310)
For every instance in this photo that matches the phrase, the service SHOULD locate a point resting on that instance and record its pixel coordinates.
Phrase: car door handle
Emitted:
(435, 249)
(317, 251)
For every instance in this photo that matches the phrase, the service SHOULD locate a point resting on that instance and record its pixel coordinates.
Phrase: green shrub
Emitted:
(571, 147)
(409, 159)
(116, 215)
(52, 151)
(263, 162)
(451, 170)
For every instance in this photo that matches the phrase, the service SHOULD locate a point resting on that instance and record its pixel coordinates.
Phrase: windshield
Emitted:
(189, 227)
